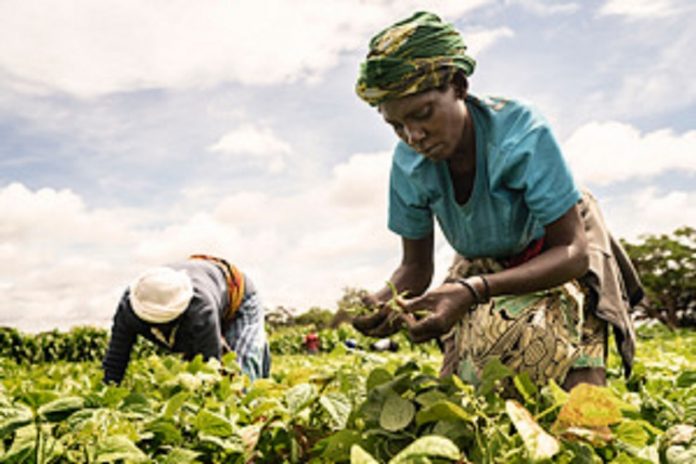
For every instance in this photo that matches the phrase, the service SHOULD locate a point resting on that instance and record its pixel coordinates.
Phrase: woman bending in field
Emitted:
(202, 305)
(537, 278)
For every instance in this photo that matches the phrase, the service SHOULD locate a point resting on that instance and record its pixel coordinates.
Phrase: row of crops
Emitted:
(89, 343)
(347, 406)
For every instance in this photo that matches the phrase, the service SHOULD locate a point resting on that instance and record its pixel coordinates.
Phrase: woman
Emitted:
(202, 305)
(536, 278)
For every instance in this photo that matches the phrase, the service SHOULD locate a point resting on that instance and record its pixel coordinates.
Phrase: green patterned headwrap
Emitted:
(416, 54)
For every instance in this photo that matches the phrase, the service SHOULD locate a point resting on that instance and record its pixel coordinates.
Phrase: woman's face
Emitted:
(431, 122)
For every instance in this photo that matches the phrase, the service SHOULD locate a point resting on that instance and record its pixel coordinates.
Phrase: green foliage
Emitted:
(80, 344)
(290, 340)
(351, 301)
(667, 268)
(318, 317)
(342, 406)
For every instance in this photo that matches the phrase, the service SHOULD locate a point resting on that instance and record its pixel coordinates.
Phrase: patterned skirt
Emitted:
(544, 334)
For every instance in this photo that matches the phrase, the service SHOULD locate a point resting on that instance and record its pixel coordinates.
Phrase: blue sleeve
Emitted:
(535, 165)
(409, 213)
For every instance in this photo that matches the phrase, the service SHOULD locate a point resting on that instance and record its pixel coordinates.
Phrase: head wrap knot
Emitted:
(416, 54)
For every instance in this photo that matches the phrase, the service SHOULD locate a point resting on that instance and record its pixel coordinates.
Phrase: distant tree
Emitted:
(319, 317)
(351, 299)
(667, 268)
(280, 316)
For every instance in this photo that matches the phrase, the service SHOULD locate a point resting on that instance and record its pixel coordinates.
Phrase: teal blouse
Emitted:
(522, 184)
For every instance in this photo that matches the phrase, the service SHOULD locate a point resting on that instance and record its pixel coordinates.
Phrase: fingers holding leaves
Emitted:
(368, 322)
(428, 328)
(436, 312)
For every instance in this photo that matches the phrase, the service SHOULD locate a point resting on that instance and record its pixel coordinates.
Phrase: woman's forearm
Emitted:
(565, 258)
(412, 278)
(553, 267)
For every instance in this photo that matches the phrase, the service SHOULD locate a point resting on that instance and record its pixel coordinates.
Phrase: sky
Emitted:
(135, 133)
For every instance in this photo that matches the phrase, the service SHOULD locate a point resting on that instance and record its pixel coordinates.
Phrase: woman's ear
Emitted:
(461, 85)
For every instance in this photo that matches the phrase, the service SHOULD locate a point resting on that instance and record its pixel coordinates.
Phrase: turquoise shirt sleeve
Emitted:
(534, 165)
(410, 215)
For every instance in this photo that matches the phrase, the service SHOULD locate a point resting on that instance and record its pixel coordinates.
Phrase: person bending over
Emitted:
(537, 279)
(202, 305)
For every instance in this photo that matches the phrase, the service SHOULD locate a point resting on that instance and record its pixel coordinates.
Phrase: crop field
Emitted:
(348, 406)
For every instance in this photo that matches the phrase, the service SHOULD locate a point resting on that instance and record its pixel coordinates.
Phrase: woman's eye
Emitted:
(424, 113)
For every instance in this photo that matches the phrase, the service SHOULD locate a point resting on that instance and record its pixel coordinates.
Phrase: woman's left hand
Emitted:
(446, 306)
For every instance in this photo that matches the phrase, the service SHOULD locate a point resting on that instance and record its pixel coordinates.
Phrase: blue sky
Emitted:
(135, 133)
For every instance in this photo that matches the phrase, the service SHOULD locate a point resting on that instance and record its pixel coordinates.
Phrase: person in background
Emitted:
(202, 305)
(385, 344)
(312, 342)
(537, 279)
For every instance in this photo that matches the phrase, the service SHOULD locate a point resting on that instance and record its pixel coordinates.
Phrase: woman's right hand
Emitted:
(380, 322)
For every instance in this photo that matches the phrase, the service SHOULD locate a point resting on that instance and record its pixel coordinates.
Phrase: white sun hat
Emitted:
(160, 294)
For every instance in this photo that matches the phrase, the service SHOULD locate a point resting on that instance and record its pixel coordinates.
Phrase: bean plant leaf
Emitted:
(212, 423)
(338, 407)
(493, 371)
(632, 433)
(430, 397)
(443, 410)
(24, 444)
(397, 413)
(337, 447)
(299, 396)
(525, 387)
(165, 431)
(430, 446)
(14, 417)
(250, 437)
(686, 379)
(175, 403)
(37, 398)
(181, 456)
(230, 444)
(376, 378)
(539, 444)
(589, 406)
(118, 447)
(560, 396)
(360, 456)
(678, 444)
(60, 409)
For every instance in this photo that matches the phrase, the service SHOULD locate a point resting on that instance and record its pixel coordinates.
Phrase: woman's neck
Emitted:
(464, 159)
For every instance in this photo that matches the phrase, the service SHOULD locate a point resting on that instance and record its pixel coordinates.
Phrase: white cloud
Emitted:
(361, 182)
(55, 264)
(52, 216)
(479, 40)
(543, 8)
(62, 263)
(256, 142)
(649, 211)
(90, 48)
(639, 9)
(602, 153)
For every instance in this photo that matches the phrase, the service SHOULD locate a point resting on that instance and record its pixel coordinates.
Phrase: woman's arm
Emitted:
(415, 272)
(564, 259)
(121, 340)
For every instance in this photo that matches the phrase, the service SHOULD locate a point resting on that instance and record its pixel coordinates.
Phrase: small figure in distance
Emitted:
(312, 342)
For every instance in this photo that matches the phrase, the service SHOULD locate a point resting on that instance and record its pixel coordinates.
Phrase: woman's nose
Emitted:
(414, 134)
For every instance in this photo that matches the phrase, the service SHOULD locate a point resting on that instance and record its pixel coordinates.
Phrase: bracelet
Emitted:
(486, 288)
(472, 289)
